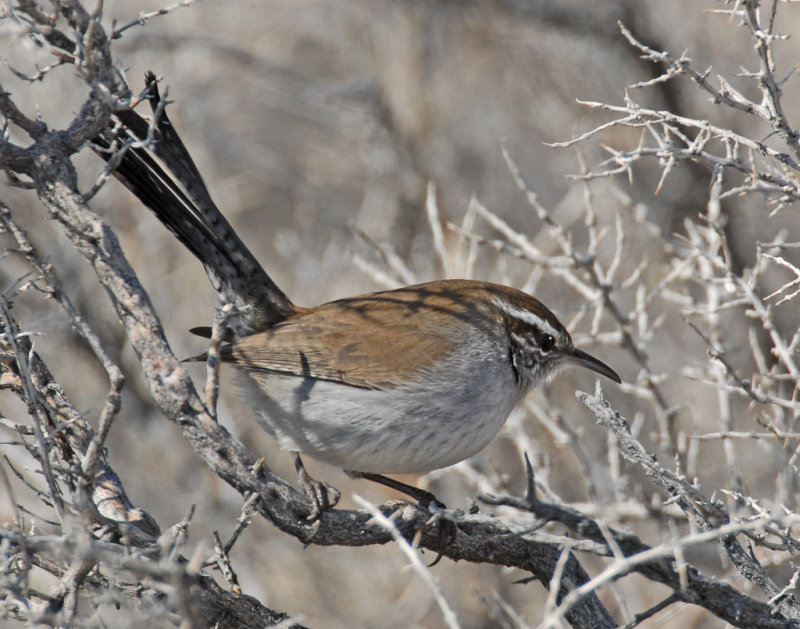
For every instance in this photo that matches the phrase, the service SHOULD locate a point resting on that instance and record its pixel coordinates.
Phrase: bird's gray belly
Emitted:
(384, 431)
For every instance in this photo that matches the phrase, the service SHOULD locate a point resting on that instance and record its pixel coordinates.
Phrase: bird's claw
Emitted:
(323, 496)
(447, 524)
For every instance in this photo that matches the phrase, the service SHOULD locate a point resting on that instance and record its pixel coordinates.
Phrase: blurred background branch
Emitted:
(360, 146)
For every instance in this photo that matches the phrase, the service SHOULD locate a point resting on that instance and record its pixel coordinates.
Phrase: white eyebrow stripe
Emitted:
(526, 315)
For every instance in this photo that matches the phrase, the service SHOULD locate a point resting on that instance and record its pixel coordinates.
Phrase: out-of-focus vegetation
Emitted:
(356, 146)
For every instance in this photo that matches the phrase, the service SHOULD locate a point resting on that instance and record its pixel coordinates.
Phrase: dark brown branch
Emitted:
(704, 512)
(720, 598)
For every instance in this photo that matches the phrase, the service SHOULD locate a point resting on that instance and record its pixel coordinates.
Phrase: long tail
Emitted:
(155, 165)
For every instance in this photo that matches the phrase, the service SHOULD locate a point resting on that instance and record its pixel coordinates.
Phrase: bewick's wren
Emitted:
(408, 380)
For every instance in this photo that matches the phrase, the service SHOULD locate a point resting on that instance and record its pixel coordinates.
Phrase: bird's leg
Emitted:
(322, 495)
(448, 529)
(424, 498)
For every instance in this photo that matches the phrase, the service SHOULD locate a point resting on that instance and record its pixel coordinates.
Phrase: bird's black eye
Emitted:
(547, 342)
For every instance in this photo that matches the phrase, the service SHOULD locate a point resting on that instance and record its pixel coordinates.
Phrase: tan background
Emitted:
(314, 120)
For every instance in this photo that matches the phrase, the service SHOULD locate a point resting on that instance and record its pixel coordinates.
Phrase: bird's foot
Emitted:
(440, 516)
(323, 496)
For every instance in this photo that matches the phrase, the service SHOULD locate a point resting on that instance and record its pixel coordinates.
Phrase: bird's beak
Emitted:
(590, 362)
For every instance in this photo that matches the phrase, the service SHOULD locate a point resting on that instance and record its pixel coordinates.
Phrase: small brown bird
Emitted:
(407, 380)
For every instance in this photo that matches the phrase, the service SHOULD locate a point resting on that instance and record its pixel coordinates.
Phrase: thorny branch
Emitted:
(99, 529)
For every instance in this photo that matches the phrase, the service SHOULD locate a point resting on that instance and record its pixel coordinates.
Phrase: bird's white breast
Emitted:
(447, 414)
